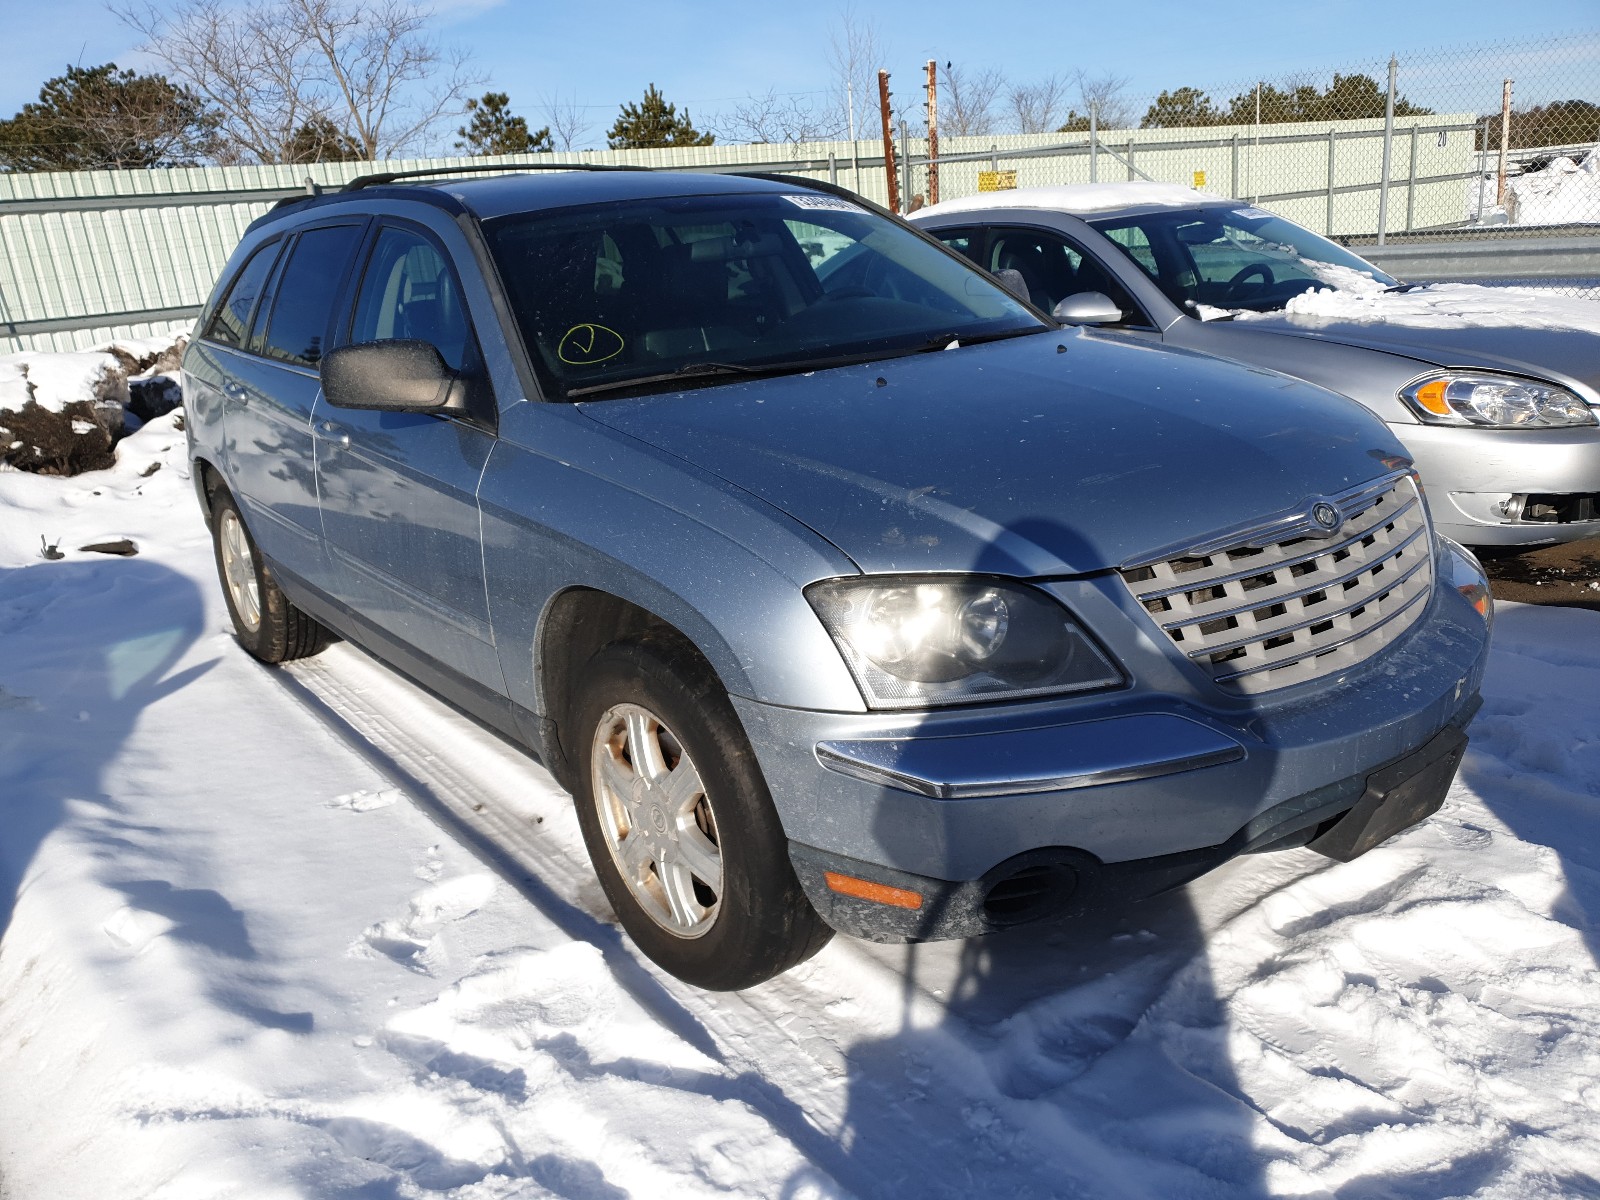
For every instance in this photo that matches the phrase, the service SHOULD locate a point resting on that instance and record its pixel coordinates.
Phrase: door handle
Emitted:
(235, 394)
(330, 432)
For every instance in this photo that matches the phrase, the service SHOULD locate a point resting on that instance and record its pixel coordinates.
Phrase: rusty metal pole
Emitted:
(1505, 140)
(888, 142)
(933, 132)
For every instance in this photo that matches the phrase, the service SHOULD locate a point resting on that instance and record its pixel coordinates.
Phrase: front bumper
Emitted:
(1509, 487)
(1156, 780)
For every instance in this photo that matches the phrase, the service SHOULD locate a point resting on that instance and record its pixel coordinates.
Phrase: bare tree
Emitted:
(967, 99)
(565, 116)
(1102, 95)
(1036, 107)
(856, 50)
(365, 67)
(775, 119)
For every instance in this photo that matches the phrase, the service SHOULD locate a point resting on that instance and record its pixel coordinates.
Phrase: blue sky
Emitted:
(705, 56)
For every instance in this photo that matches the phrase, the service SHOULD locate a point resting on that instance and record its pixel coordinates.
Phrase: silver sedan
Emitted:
(1496, 400)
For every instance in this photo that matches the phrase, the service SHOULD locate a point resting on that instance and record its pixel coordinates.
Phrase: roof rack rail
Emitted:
(382, 177)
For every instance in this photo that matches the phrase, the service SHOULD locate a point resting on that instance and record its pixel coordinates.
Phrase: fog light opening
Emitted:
(1030, 892)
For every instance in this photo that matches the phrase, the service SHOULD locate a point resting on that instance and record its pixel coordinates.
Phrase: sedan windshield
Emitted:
(1232, 258)
(651, 293)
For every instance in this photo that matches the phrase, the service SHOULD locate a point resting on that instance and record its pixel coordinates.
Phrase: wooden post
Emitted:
(888, 142)
(933, 132)
(1505, 140)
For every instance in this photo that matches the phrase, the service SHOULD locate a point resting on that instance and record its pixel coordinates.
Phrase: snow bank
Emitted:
(1563, 193)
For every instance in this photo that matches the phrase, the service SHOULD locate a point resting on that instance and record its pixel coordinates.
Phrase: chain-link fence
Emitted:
(1505, 186)
(1450, 113)
(1481, 143)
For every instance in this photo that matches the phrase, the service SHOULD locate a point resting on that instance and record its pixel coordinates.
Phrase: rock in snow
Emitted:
(60, 414)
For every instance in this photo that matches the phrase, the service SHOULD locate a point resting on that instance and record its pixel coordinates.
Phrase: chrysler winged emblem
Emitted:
(1326, 516)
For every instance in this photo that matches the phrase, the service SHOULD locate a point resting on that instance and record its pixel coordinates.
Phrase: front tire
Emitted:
(679, 823)
(266, 622)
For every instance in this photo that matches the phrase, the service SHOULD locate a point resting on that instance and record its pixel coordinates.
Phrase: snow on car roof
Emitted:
(1076, 198)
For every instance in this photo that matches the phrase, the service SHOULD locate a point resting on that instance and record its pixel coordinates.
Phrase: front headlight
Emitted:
(926, 640)
(1494, 401)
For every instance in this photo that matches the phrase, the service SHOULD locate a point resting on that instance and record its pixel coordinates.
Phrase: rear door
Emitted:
(399, 490)
(273, 386)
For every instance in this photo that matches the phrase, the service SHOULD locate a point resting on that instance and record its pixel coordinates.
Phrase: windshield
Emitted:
(731, 285)
(1233, 258)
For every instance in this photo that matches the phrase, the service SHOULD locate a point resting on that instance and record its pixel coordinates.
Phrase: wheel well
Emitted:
(578, 623)
(207, 479)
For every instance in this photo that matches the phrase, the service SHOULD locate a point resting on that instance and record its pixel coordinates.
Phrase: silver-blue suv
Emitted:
(842, 588)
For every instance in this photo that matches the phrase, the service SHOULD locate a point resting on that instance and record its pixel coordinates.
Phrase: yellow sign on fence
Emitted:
(996, 181)
(1199, 179)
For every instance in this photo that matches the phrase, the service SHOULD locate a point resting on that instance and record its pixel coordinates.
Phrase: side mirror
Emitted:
(394, 376)
(1011, 279)
(1087, 308)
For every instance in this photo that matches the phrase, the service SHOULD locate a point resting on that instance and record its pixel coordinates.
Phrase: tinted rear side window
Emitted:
(306, 291)
(228, 323)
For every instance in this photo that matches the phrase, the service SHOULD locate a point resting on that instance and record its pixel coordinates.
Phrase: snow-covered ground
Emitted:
(307, 933)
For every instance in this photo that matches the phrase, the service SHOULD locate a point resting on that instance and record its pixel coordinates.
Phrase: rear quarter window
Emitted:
(232, 316)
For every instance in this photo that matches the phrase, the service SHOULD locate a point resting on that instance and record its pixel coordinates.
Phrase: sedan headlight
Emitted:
(926, 640)
(1494, 401)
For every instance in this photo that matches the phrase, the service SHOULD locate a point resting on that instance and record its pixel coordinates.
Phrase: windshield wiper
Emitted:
(954, 341)
(712, 370)
(1403, 287)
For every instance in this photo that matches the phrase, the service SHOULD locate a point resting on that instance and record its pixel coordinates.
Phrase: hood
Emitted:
(1565, 356)
(1017, 457)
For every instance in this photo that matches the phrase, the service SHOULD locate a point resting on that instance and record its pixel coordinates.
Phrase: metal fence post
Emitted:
(1411, 185)
(1388, 147)
(1094, 147)
(1131, 175)
(1333, 140)
(833, 169)
(1233, 186)
(1483, 166)
(905, 165)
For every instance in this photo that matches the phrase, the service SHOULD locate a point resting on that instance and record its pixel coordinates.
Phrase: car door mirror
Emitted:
(394, 376)
(1011, 279)
(1088, 308)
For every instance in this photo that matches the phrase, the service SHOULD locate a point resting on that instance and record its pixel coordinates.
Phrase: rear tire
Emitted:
(266, 622)
(679, 823)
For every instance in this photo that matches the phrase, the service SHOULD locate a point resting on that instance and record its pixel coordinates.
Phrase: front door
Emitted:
(399, 490)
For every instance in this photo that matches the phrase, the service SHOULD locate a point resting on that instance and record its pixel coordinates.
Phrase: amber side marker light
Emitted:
(1477, 596)
(1431, 397)
(865, 889)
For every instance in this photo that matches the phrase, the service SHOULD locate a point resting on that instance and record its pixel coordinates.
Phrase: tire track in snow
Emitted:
(495, 799)
(502, 806)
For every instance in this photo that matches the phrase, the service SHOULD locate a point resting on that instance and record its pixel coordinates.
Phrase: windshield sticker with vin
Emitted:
(588, 345)
(833, 203)
(1252, 213)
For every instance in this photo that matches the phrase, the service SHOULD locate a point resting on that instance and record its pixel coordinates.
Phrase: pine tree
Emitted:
(99, 117)
(495, 131)
(320, 140)
(1182, 108)
(653, 123)
(1347, 98)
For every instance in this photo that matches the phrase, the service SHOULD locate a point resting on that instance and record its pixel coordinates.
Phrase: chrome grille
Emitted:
(1287, 601)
